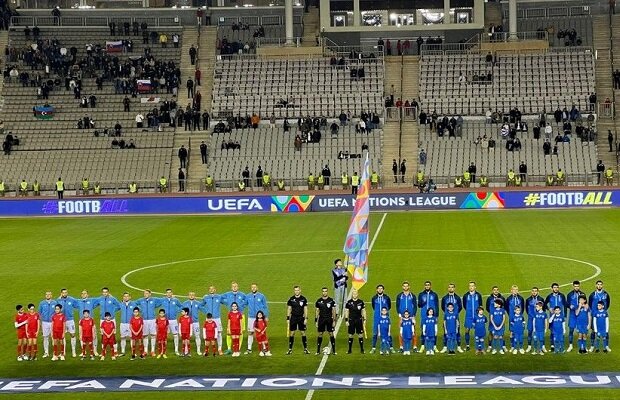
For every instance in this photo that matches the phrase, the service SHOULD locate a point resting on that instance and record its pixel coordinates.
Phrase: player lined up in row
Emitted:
(490, 320)
(30, 324)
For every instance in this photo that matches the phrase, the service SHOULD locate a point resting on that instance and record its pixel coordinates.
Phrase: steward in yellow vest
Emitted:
(458, 182)
(510, 178)
(374, 180)
(133, 188)
(517, 180)
(266, 181)
(560, 177)
(36, 188)
(484, 181)
(310, 182)
(609, 176)
(97, 189)
(209, 184)
(241, 186)
(419, 178)
(2, 188)
(23, 188)
(281, 185)
(163, 184)
(550, 180)
(466, 178)
(345, 181)
(320, 181)
(85, 186)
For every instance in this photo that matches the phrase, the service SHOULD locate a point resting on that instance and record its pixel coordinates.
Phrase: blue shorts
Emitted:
(572, 322)
(583, 329)
(469, 323)
(540, 336)
(498, 332)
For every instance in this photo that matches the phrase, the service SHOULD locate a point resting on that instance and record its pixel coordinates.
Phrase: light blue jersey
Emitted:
(195, 306)
(87, 304)
(127, 311)
(148, 307)
(212, 304)
(108, 304)
(69, 305)
(46, 310)
(234, 297)
(172, 307)
(256, 302)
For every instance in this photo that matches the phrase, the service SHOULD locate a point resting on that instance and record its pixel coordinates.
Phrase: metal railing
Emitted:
(517, 37)
(74, 21)
(196, 186)
(279, 42)
(551, 12)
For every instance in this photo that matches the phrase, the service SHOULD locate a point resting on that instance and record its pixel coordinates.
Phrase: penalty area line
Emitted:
(319, 370)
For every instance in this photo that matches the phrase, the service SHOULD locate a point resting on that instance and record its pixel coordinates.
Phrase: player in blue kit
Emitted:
(172, 306)
(455, 299)
(429, 331)
(471, 301)
(480, 330)
(599, 294)
(406, 301)
(600, 325)
(558, 330)
(383, 331)
(584, 319)
(517, 328)
(553, 300)
(69, 305)
(513, 301)
(194, 306)
(530, 308)
(498, 326)
(407, 332)
(451, 327)
(378, 302)
(148, 308)
(539, 328)
(212, 304)
(228, 298)
(427, 298)
(572, 301)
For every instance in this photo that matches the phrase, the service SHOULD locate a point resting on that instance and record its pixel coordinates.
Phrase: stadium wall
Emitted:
(181, 205)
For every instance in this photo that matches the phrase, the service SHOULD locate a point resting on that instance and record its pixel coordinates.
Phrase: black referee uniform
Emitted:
(325, 319)
(298, 306)
(354, 317)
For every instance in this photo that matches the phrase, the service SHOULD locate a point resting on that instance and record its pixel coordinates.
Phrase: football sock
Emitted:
(123, 345)
(571, 332)
(361, 340)
(291, 340)
(197, 343)
(319, 341)
(350, 343)
(332, 340)
(219, 340)
(176, 343)
(250, 341)
(304, 341)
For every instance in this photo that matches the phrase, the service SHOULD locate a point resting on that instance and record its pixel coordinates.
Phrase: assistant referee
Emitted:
(297, 318)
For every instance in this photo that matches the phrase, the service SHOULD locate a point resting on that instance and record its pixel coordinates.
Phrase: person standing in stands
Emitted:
(181, 180)
(183, 156)
(403, 170)
(60, 188)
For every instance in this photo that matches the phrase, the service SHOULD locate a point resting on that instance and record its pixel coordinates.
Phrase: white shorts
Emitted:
(70, 327)
(218, 323)
(125, 330)
(47, 329)
(173, 326)
(149, 327)
(196, 329)
(251, 324)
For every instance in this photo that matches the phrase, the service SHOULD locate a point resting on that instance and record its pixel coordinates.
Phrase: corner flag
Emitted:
(356, 243)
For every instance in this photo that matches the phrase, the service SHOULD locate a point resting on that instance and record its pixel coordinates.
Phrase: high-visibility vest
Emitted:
(60, 186)
(320, 180)
(458, 181)
(1, 186)
(609, 173)
(420, 176)
(241, 185)
(209, 181)
(549, 179)
(36, 187)
(311, 179)
(511, 175)
(483, 180)
(560, 174)
(281, 184)
(355, 180)
(374, 178)
(97, 189)
(266, 179)
(85, 184)
(345, 179)
(133, 188)
(466, 175)
(518, 180)
(24, 185)
(163, 182)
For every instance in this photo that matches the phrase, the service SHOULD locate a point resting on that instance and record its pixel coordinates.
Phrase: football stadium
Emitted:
(319, 199)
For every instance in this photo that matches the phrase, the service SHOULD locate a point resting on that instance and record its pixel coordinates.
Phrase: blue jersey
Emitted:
(601, 322)
(530, 305)
(384, 326)
(599, 295)
(256, 302)
(234, 297)
(107, 304)
(471, 302)
(453, 298)
(582, 317)
(46, 310)
(480, 325)
(406, 302)
(497, 316)
(556, 325)
(490, 303)
(378, 302)
(87, 304)
(572, 301)
(172, 307)
(148, 307)
(195, 306)
(428, 299)
(429, 326)
(517, 324)
(69, 305)
(554, 300)
(451, 322)
(513, 301)
(540, 319)
(406, 328)
(212, 303)
(126, 311)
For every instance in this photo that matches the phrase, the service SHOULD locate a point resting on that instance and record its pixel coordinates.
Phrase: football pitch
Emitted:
(527, 248)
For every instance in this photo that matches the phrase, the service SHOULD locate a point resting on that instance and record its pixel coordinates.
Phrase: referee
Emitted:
(354, 317)
(297, 318)
(339, 274)
(325, 320)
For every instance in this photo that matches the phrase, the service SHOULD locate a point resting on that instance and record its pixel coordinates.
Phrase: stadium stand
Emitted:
(56, 147)
(559, 28)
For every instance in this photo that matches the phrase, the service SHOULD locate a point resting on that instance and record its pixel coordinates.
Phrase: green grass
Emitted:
(279, 251)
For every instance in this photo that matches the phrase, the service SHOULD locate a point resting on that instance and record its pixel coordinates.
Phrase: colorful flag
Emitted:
(150, 100)
(144, 86)
(356, 243)
(115, 46)
(43, 112)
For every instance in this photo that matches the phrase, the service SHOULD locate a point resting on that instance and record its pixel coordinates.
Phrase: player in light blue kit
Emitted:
(471, 301)
(383, 332)
(69, 305)
(172, 306)
(517, 329)
(212, 304)
(126, 307)
(407, 331)
(256, 302)
(194, 306)
(46, 310)
(148, 308)
(429, 331)
(227, 299)
(480, 330)
(558, 330)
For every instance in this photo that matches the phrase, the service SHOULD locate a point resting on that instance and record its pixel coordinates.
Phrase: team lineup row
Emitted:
(154, 318)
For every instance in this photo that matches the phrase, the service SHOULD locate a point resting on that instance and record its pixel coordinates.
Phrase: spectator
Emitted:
(547, 147)
(190, 88)
(139, 120)
(126, 103)
(192, 54)
(163, 40)
(422, 157)
(197, 75)
(175, 40)
(182, 156)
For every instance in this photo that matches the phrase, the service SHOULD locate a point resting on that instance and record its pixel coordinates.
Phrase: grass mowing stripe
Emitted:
(319, 370)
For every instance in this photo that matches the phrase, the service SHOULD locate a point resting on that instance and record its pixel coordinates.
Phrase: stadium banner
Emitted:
(114, 46)
(562, 199)
(305, 382)
(387, 202)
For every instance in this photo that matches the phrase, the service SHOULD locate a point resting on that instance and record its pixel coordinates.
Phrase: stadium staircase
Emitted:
(311, 27)
(411, 77)
(391, 149)
(604, 83)
(4, 41)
